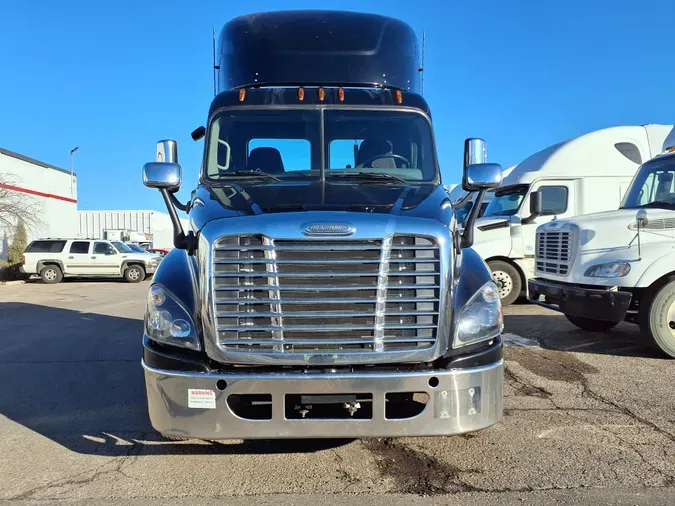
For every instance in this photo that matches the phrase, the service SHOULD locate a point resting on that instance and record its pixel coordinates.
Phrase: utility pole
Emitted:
(72, 152)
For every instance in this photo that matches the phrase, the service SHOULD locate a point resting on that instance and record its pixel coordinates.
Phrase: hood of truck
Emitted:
(492, 236)
(610, 236)
(228, 201)
(612, 229)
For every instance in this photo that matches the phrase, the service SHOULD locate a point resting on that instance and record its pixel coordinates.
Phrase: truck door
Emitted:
(105, 260)
(557, 199)
(78, 259)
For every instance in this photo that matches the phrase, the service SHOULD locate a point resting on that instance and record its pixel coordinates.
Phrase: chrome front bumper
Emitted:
(464, 400)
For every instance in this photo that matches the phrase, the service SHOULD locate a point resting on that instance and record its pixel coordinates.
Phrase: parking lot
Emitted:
(589, 418)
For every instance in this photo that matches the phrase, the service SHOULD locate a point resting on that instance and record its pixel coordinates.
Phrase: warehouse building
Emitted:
(143, 227)
(47, 192)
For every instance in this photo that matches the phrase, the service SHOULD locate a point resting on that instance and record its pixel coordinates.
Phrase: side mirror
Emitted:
(167, 151)
(165, 175)
(475, 151)
(536, 208)
(162, 175)
(482, 176)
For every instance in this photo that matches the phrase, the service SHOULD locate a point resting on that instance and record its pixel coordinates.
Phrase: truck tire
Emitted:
(590, 324)
(134, 274)
(657, 318)
(51, 274)
(508, 281)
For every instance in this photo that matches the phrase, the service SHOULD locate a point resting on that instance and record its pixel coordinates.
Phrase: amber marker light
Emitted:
(341, 95)
(399, 97)
(322, 94)
(301, 94)
(242, 95)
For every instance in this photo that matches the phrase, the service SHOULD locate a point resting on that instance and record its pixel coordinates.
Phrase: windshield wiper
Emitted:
(367, 176)
(250, 173)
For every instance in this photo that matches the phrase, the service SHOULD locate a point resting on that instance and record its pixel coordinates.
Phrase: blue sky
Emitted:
(114, 77)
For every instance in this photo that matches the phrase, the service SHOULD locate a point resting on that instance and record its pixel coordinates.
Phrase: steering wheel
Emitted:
(368, 163)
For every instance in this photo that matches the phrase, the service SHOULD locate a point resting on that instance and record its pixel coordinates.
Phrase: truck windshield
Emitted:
(287, 145)
(653, 185)
(506, 201)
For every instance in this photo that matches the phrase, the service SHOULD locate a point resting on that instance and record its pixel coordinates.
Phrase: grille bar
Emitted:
(335, 314)
(249, 274)
(336, 296)
(322, 328)
(243, 288)
(320, 301)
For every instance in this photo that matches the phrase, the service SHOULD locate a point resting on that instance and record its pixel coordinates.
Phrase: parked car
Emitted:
(54, 259)
(158, 251)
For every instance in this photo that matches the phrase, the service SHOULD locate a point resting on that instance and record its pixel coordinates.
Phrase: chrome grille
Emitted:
(326, 295)
(553, 252)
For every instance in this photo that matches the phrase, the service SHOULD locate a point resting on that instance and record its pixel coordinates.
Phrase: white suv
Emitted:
(53, 259)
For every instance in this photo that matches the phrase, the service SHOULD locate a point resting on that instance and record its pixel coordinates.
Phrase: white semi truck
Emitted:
(586, 174)
(604, 268)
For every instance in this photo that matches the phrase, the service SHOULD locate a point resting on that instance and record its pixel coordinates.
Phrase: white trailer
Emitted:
(152, 226)
(603, 268)
(45, 191)
(586, 174)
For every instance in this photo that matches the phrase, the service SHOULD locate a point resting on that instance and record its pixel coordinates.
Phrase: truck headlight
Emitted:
(609, 270)
(481, 319)
(167, 321)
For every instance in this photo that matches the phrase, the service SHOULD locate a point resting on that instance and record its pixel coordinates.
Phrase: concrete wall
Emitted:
(93, 223)
(46, 190)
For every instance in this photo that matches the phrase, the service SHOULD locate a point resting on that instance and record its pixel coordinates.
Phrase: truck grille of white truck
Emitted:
(274, 295)
(553, 252)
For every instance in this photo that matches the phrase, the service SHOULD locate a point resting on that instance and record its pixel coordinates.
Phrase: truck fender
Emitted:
(42, 263)
(657, 269)
(473, 274)
(178, 273)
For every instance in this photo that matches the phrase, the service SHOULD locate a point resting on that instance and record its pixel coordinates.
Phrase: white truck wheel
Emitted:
(658, 319)
(507, 279)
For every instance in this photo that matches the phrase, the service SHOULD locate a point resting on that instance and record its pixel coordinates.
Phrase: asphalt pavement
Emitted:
(589, 419)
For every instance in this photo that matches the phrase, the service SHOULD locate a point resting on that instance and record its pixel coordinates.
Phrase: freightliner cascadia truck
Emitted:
(322, 288)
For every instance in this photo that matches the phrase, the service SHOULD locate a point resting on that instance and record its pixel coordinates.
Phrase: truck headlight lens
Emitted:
(609, 270)
(167, 321)
(481, 319)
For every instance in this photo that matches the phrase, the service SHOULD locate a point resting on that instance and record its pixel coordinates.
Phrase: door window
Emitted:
(79, 247)
(553, 199)
(103, 248)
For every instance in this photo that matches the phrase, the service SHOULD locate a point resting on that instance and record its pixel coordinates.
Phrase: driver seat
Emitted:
(372, 147)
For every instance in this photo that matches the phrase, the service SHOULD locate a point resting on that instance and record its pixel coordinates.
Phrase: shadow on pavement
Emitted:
(76, 378)
(553, 331)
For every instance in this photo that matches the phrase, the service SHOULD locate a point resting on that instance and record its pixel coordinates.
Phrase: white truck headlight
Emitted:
(167, 321)
(481, 318)
(609, 270)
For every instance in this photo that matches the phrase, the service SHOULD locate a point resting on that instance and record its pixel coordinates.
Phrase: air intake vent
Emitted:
(553, 252)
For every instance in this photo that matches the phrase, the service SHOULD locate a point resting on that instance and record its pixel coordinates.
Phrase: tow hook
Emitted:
(352, 407)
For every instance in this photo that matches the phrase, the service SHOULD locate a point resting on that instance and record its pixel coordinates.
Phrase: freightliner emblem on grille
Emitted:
(328, 229)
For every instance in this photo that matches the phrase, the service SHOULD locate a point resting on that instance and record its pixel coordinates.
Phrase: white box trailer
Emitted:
(586, 174)
(153, 225)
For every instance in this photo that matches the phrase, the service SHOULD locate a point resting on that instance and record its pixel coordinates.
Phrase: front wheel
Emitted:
(134, 274)
(507, 279)
(657, 318)
(590, 324)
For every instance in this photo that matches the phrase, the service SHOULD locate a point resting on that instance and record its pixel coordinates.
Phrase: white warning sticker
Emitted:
(202, 399)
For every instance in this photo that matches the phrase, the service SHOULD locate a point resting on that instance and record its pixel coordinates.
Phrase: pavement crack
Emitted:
(521, 386)
(81, 478)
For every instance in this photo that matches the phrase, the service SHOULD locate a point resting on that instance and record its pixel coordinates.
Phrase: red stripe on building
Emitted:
(37, 194)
